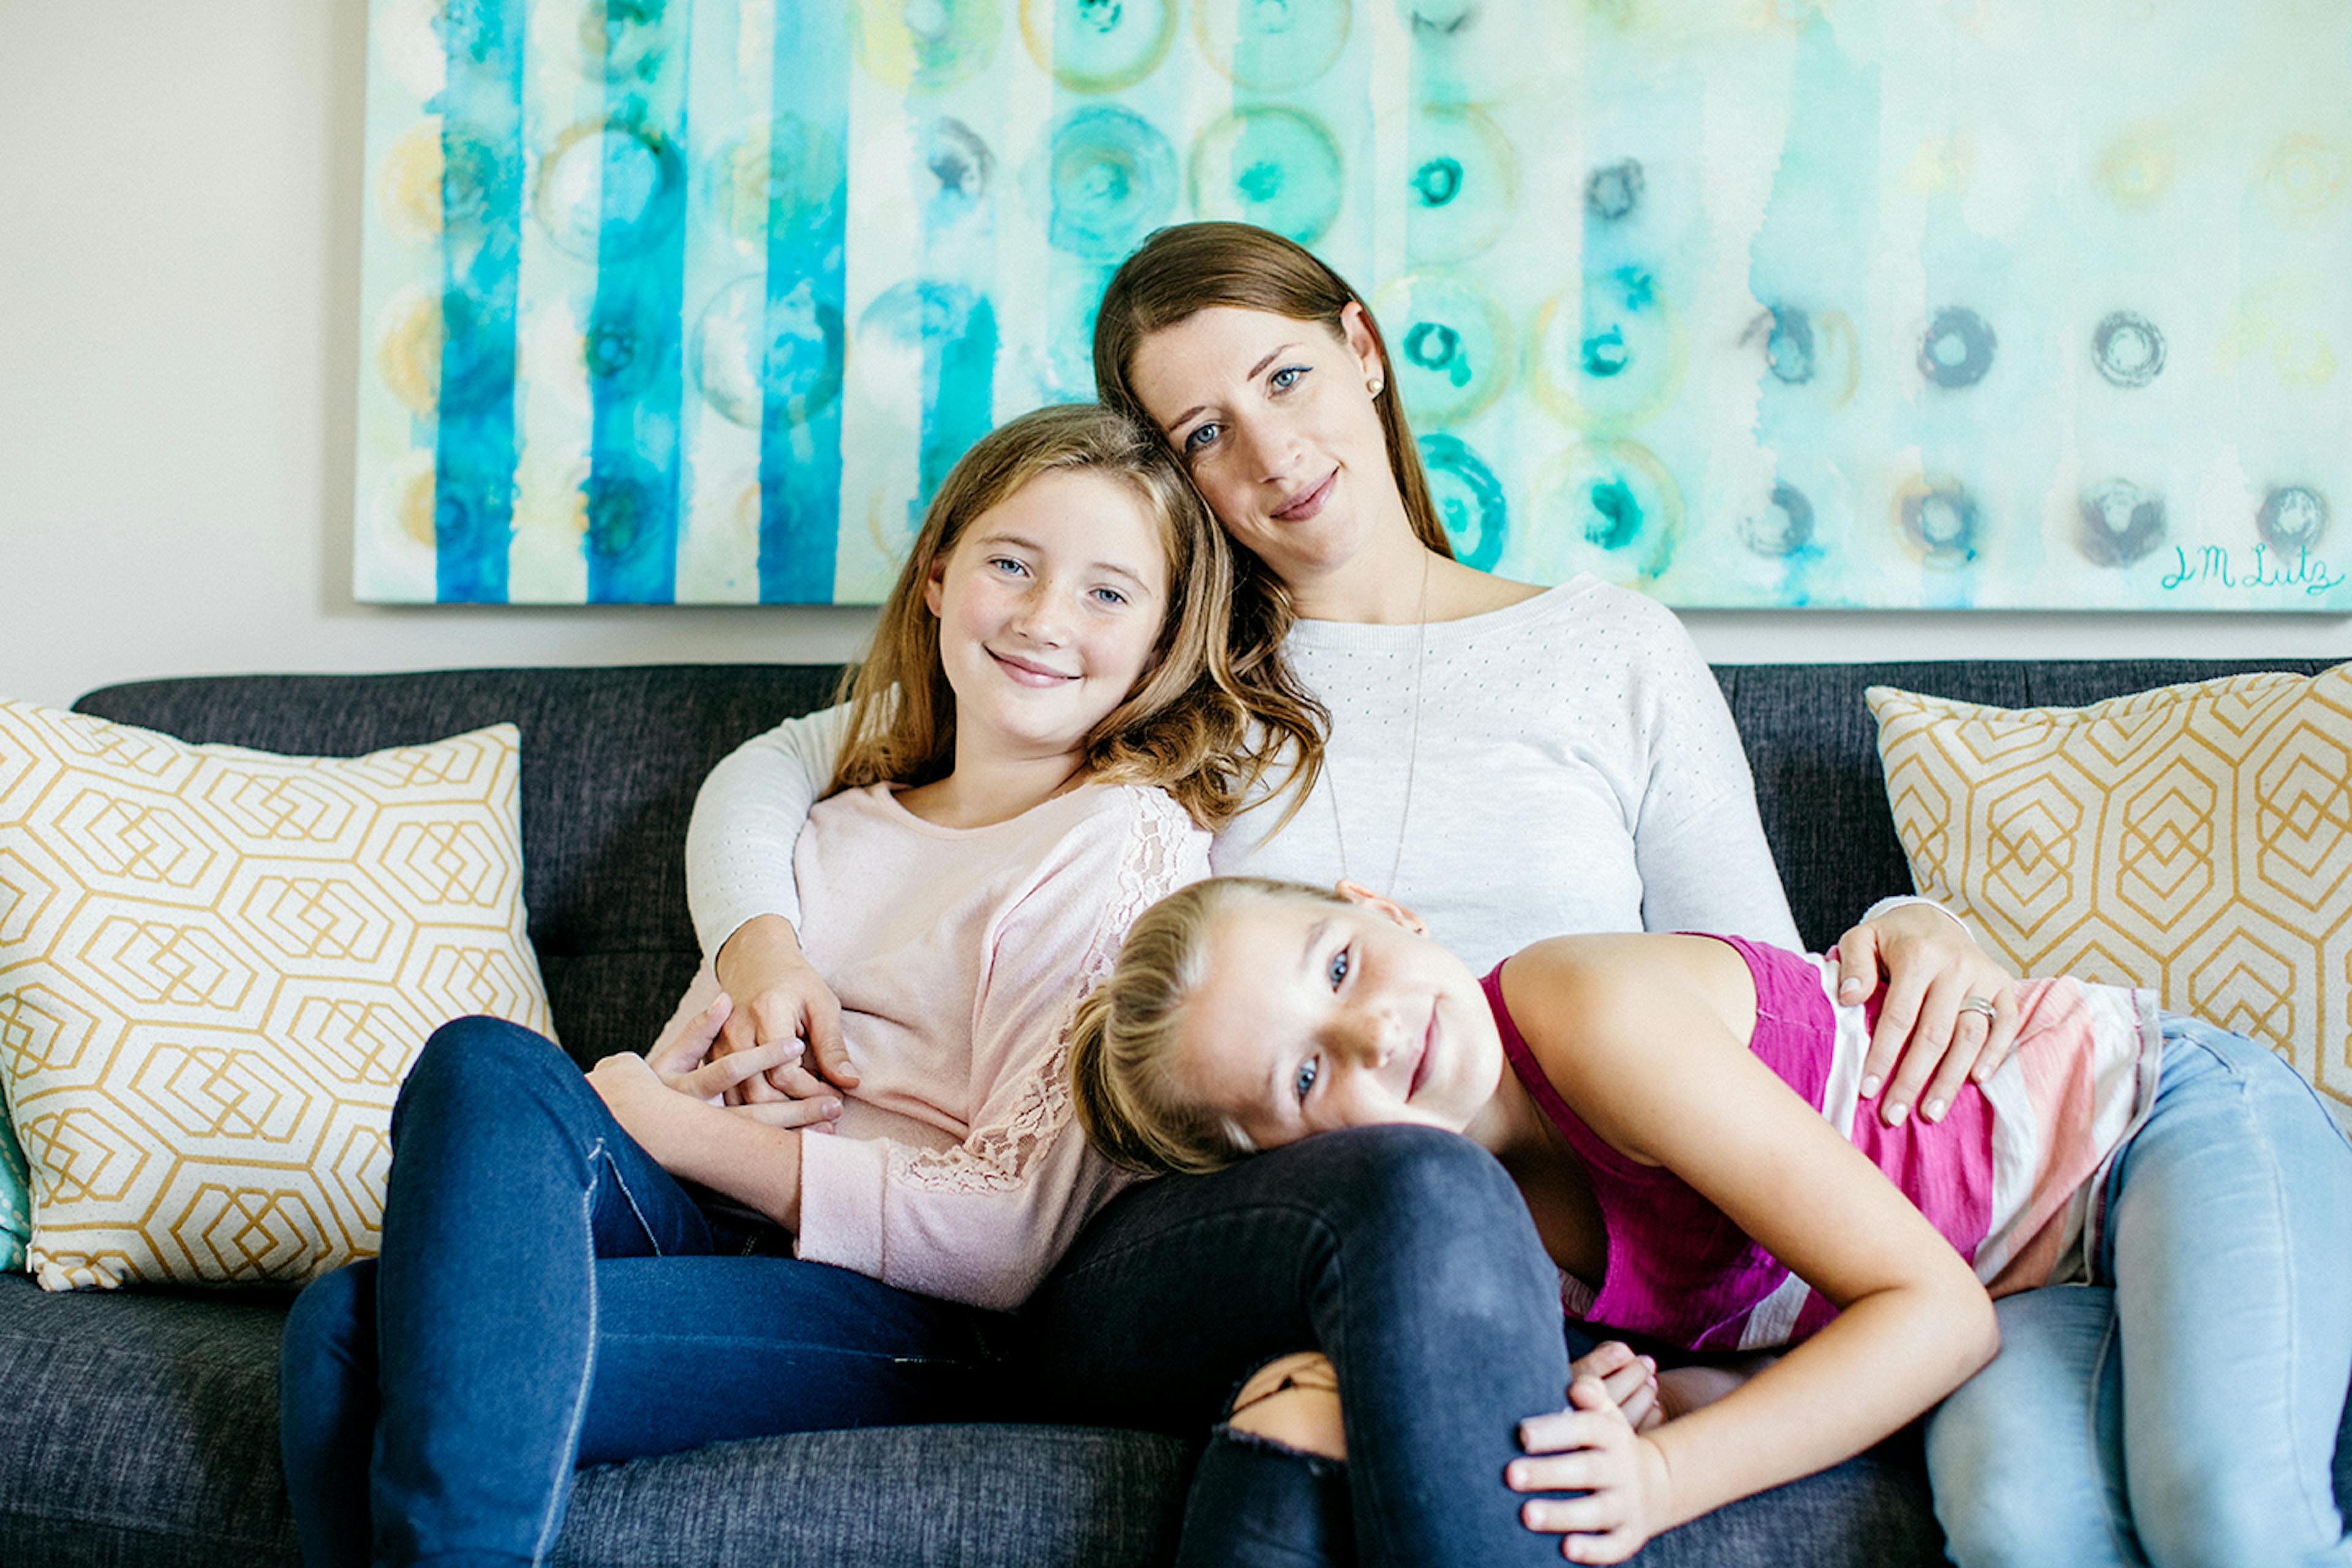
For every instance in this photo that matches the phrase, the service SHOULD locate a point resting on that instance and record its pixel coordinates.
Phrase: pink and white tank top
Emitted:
(2008, 1176)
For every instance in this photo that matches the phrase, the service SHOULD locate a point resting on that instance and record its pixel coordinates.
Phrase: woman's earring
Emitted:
(1374, 386)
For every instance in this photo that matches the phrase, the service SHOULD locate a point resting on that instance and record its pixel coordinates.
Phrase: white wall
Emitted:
(180, 193)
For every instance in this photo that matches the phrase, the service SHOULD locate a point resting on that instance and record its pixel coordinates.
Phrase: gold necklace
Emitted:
(1411, 750)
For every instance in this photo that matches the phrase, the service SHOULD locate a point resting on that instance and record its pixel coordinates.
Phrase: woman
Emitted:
(1515, 760)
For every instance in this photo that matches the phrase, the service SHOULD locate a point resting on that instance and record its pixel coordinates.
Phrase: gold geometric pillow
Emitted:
(2196, 840)
(216, 965)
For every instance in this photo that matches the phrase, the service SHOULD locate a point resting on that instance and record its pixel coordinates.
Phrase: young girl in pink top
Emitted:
(1680, 1113)
(1043, 736)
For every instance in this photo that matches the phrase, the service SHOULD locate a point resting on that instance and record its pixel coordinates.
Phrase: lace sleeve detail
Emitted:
(1164, 851)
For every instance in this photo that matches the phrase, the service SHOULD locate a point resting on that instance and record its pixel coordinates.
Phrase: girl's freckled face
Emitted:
(1316, 1015)
(1275, 420)
(1050, 605)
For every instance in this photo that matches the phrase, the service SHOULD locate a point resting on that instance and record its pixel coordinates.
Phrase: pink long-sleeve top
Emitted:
(958, 955)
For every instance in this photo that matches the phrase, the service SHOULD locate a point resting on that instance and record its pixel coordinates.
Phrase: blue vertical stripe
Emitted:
(959, 389)
(473, 438)
(799, 427)
(635, 329)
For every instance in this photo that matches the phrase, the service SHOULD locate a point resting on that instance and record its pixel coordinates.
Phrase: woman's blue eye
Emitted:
(1287, 376)
(1198, 437)
(1305, 1080)
(1337, 968)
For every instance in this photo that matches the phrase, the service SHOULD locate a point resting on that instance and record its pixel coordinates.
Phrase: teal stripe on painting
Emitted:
(474, 435)
(634, 329)
(803, 340)
(959, 390)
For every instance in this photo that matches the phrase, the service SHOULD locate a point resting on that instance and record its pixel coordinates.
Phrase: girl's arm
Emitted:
(1646, 1038)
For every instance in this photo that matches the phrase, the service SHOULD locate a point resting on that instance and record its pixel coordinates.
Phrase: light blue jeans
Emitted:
(2182, 1409)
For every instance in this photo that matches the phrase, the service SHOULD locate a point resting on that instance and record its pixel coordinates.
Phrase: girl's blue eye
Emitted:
(1110, 595)
(1200, 435)
(1337, 968)
(1309, 1070)
(1006, 564)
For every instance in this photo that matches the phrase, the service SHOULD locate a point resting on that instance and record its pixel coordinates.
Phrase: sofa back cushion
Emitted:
(611, 760)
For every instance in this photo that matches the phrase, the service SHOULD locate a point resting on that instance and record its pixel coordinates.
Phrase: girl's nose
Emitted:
(1042, 616)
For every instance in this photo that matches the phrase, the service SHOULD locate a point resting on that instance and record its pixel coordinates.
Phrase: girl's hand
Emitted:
(646, 1094)
(1631, 1380)
(788, 1001)
(1593, 1449)
(1932, 967)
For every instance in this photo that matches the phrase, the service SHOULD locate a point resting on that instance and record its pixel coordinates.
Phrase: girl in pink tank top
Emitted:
(1680, 1114)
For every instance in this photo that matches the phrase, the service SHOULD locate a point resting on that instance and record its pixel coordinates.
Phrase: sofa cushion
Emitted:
(2196, 840)
(216, 968)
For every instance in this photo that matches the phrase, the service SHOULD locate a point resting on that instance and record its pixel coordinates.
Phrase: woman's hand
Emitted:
(1932, 967)
(788, 1002)
(1592, 1448)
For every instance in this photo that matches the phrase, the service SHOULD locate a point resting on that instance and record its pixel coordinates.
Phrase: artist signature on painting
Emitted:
(2216, 566)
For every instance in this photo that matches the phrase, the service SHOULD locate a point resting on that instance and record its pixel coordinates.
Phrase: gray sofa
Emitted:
(139, 1427)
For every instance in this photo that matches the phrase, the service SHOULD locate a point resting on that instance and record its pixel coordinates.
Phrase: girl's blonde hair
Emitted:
(1123, 1045)
(1189, 268)
(1185, 727)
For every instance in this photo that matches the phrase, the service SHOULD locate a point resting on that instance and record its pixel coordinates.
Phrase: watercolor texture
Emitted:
(1865, 303)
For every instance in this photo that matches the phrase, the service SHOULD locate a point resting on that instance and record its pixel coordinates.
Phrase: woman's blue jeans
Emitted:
(1403, 1254)
(548, 1296)
(2183, 1408)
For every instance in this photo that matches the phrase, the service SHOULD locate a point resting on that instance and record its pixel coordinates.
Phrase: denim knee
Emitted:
(481, 1060)
(1429, 1211)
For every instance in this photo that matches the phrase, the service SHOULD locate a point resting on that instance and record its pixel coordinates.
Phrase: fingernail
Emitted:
(1869, 1086)
(1650, 1361)
(1518, 1477)
(1935, 1111)
(1848, 989)
(1896, 1113)
(833, 1108)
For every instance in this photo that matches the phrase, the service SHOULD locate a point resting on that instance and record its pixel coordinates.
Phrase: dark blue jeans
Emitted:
(1403, 1254)
(548, 1296)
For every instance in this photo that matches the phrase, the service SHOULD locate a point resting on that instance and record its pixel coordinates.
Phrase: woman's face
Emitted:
(1315, 1016)
(1049, 605)
(1276, 420)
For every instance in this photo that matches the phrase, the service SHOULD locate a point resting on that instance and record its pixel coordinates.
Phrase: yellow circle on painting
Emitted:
(408, 183)
(1609, 354)
(413, 510)
(1606, 507)
(2136, 168)
(2305, 173)
(1099, 46)
(1938, 521)
(1272, 46)
(409, 350)
(926, 45)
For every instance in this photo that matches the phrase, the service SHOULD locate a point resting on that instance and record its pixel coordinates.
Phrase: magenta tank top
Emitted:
(1679, 1270)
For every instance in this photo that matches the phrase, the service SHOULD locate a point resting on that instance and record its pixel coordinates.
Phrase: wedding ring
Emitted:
(1980, 1005)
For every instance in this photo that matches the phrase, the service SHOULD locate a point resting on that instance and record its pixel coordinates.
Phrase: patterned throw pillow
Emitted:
(216, 966)
(2196, 840)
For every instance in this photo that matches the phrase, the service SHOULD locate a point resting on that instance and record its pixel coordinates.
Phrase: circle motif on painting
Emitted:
(1463, 185)
(1104, 179)
(1099, 46)
(1611, 355)
(1272, 46)
(754, 364)
(1449, 345)
(1277, 168)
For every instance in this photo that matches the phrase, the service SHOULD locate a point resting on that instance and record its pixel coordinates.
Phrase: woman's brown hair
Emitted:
(1184, 270)
(1186, 726)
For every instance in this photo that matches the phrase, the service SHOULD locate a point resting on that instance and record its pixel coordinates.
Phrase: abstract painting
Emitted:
(1882, 303)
